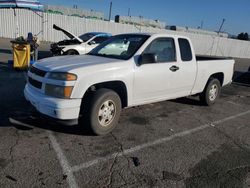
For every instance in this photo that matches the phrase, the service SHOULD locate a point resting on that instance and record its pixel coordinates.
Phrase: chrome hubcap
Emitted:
(213, 92)
(106, 113)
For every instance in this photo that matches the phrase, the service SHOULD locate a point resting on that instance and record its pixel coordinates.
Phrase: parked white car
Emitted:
(77, 45)
(127, 70)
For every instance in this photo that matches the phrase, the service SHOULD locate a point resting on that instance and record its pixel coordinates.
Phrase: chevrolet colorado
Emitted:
(124, 71)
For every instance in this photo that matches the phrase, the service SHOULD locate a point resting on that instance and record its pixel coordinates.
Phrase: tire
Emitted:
(211, 92)
(71, 52)
(104, 111)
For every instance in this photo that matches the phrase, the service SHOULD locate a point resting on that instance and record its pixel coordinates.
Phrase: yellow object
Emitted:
(21, 55)
(67, 91)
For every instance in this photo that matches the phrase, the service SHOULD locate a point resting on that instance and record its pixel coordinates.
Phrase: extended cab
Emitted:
(126, 70)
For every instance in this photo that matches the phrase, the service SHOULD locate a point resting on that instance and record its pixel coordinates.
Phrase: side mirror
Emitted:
(91, 42)
(147, 58)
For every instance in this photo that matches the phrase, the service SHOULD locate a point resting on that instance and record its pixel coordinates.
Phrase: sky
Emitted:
(190, 13)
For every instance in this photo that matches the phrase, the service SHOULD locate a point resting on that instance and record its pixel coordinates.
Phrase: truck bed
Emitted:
(207, 66)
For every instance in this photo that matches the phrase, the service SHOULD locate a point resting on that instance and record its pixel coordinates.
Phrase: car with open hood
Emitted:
(77, 45)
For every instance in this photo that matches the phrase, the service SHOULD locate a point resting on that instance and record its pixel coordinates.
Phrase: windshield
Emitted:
(120, 46)
(85, 37)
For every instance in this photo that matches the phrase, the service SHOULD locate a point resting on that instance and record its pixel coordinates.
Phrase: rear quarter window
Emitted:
(185, 49)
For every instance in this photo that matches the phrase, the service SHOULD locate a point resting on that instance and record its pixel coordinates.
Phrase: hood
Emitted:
(71, 63)
(67, 33)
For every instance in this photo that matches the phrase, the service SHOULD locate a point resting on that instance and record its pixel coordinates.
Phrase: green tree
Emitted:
(243, 36)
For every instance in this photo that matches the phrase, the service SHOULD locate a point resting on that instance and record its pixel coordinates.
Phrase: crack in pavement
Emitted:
(121, 153)
(11, 150)
(109, 183)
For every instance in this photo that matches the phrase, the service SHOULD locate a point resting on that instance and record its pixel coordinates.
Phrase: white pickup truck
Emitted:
(126, 70)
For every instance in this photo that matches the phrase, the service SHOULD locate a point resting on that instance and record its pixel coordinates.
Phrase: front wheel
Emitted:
(211, 92)
(71, 52)
(104, 111)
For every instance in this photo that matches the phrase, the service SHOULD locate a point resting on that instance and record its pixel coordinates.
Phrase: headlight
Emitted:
(58, 91)
(62, 76)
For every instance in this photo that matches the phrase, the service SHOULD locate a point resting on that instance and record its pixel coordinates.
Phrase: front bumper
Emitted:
(60, 109)
(56, 50)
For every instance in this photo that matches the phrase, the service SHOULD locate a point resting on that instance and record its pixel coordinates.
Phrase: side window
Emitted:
(185, 49)
(164, 48)
(99, 40)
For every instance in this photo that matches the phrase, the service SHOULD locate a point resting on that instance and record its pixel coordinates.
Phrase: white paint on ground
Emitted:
(63, 161)
(60, 155)
(153, 143)
(13, 121)
(68, 170)
(234, 103)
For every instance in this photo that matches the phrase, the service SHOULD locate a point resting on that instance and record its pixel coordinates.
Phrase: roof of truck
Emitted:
(156, 34)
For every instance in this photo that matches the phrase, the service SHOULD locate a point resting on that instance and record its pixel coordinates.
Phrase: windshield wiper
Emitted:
(105, 55)
(111, 56)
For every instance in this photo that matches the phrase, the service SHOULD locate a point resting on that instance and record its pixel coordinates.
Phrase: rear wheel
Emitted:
(104, 111)
(211, 92)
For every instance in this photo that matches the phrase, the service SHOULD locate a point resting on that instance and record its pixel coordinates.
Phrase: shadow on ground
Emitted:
(242, 78)
(16, 112)
(194, 100)
(227, 167)
(34, 120)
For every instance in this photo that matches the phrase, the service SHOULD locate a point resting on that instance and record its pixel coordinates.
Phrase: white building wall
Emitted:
(42, 25)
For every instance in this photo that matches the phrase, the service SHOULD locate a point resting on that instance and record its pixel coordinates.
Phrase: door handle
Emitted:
(174, 68)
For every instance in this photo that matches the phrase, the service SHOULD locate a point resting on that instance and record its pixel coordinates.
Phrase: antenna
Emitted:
(223, 21)
(110, 10)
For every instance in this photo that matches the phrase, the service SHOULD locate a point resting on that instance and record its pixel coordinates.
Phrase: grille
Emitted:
(37, 71)
(35, 83)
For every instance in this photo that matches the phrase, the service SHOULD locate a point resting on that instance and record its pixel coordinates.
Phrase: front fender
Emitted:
(93, 77)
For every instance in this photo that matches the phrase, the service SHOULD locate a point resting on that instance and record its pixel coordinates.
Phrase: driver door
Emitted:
(153, 81)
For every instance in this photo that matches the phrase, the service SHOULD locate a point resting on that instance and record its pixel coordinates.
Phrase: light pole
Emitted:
(110, 10)
(140, 23)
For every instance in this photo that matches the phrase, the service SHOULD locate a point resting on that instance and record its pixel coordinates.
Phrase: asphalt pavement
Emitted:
(177, 143)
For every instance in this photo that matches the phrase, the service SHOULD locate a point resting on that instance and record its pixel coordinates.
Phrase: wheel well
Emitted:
(73, 51)
(118, 86)
(219, 76)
